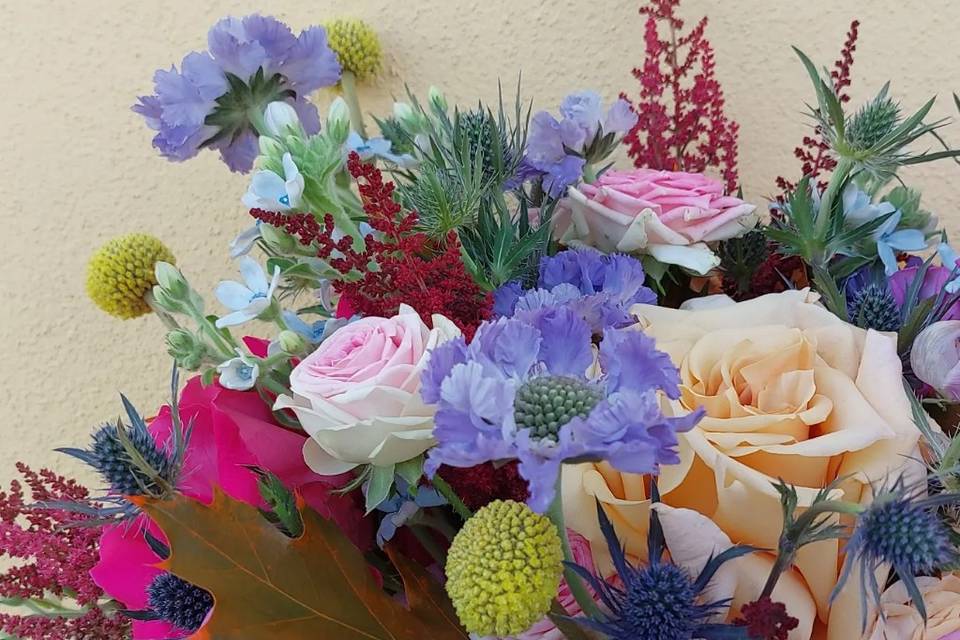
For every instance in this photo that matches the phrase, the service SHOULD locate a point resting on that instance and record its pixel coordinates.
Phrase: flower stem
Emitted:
(167, 319)
(447, 492)
(348, 82)
(577, 588)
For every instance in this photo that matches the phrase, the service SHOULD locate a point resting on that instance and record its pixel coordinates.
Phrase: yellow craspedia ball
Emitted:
(356, 45)
(504, 569)
(120, 274)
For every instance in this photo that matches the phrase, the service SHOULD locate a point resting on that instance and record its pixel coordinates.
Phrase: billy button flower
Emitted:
(120, 274)
(503, 569)
(360, 55)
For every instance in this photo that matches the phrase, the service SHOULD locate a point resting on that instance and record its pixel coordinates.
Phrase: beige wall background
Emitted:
(76, 165)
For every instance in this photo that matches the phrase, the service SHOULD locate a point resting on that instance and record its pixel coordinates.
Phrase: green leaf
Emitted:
(411, 471)
(269, 586)
(379, 485)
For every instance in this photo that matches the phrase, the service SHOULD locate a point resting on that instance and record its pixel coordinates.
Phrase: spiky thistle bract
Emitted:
(660, 601)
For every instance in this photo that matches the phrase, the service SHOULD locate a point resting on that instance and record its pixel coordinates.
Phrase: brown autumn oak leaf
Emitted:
(317, 587)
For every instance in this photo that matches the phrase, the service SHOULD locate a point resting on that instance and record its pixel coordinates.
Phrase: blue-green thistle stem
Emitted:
(348, 82)
(577, 588)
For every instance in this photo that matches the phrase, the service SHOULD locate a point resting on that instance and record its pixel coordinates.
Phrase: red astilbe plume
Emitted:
(411, 268)
(814, 152)
(52, 556)
(681, 121)
(766, 620)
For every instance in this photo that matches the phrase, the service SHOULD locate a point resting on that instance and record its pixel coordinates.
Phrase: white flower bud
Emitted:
(338, 121)
(280, 118)
(935, 358)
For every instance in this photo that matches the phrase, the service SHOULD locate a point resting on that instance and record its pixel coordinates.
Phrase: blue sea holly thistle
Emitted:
(659, 601)
(901, 529)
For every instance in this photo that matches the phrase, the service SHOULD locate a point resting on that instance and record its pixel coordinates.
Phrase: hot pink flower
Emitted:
(231, 429)
(670, 215)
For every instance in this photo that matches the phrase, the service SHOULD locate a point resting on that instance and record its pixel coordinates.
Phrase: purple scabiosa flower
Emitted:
(592, 272)
(520, 391)
(659, 601)
(216, 98)
(600, 288)
(902, 529)
(561, 149)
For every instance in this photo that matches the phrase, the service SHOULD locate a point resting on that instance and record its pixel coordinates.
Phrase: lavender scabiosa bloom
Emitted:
(600, 288)
(217, 98)
(659, 601)
(520, 391)
(900, 528)
(562, 149)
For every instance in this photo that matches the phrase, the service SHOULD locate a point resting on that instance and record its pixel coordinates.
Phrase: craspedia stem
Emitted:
(348, 82)
(577, 587)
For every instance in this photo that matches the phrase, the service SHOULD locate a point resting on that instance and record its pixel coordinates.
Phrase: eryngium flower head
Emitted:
(875, 120)
(503, 569)
(356, 45)
(178, 602)
(659, 601)
(874, 307)
(115, 463)
(121, 273)
(902, 529)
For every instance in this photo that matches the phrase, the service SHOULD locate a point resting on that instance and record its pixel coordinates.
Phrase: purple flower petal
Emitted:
(240, 153)
(442, 361)
(506, 347)
(311, 63)
(565, 348)
(631, 362)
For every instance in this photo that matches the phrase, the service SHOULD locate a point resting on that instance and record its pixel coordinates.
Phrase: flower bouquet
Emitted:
(476, 380)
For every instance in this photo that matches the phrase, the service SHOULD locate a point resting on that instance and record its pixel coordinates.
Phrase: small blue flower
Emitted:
(245, 240)
(889, 240)
(314, 332)
(403, 506)
(239, 374)
(951, 260)
(248, 300)
(271, 192)
(377, 148)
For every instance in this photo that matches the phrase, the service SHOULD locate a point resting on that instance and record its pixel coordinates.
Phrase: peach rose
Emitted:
(903, 622)
(670, 215)
(358, 394)
(792, 392)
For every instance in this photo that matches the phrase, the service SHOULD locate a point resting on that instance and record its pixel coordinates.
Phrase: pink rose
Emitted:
(358, 394)
(669, 215)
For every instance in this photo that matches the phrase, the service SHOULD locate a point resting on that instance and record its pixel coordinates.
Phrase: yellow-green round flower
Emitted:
(121, 273)
(504, 569)
(357, 46)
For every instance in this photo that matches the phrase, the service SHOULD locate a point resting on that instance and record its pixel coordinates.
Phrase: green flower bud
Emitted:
(292, 342)
(281, 119)
(338, 121)
(166, 301)
(405, 114)
(171, 280)
(184, 347)
(277, 240)
(270, 147)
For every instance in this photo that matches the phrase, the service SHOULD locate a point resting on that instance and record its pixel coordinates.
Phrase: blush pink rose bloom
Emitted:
(669, 215)
(358, 395)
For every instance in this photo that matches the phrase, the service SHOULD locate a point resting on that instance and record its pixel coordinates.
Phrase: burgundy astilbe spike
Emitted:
(681, 120)
(766, 620)
(51, 558)
(411, 268)
(814, 152)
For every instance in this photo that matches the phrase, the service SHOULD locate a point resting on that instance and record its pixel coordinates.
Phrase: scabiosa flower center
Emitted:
(113, 461)
(660, 604)
(543, 405)
(180, 603)
(905, 534)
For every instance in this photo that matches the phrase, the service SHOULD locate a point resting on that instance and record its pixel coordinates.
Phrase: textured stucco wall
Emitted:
(77, 166)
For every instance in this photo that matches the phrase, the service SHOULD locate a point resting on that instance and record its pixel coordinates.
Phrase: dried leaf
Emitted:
(267, 585)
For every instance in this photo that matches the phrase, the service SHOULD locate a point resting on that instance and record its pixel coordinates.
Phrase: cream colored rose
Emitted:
(941, 596)
(358, 394)
(790, 392)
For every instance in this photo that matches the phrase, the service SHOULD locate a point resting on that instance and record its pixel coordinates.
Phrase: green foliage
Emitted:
(241, 108)
(907, 202)
(282, 510)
